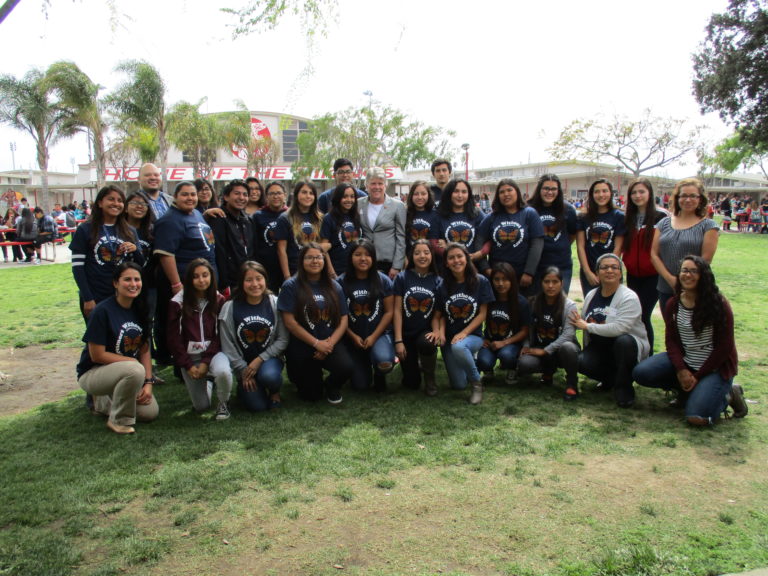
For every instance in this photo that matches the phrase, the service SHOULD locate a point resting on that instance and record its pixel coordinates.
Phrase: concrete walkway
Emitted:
(63, 255)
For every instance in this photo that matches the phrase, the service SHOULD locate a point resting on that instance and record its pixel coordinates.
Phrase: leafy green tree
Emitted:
(200, 136)
(734, 152)
(731, 68)
(77, 93)
(27, 105)
(139, 102)
(372, 135)
(258, 15)
(637, 145)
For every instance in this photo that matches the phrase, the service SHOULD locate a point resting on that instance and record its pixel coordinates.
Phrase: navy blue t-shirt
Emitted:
(458, 227)
(186, 236)
(325, 326)
(597, 311)
(557, 237)
(425, 225)
(510, 236)
(419, 295)
(364, 312)
(601, 234)
(340, 237)
(460, 306)
(498, 325)
(264, 225)
(284, 231)
(253, 325)
(545, 329)
(93, 266)
(114, 327)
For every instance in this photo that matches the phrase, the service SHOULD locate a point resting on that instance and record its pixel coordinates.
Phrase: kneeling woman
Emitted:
(115, 366)
(193, 338)
(506, 326)
(462, 305)
(614, 335)
(315, 312)
(552, 340)
(254, 338)
(701, 358)
(370, 302)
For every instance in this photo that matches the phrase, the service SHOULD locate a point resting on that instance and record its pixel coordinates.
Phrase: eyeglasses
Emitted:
(276, 193)
(346, 172)
(691, 271)
(313, 258)
(549, 188)
(610, 267)
(138, 204)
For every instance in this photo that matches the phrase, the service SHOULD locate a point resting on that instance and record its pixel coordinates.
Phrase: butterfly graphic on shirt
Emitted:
(460, 312)
(419, 233)
(106, 253)
(323, 316)
(416, 305)
(258, 336)
(598, 237)
(551, 230)
(508, 235)
(546, 333)
(361, 309)
(496, 328)
(131, 343)
(350, 235)
(461, 236)
(208, 235)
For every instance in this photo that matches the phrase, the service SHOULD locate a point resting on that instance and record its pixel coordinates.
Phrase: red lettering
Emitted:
(224, 173)
(278, 172)
(389, 171)
(132, 173)
(112, 174)
(177, 174)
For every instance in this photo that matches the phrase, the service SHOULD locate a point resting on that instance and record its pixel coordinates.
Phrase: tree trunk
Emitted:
(42, 162)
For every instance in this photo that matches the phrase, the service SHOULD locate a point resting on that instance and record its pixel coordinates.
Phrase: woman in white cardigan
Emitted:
(614, 335)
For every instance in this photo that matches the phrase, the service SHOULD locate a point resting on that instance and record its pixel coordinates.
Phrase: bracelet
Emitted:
(175, 284)
(315, 344)
(398, 341)
(149, 380)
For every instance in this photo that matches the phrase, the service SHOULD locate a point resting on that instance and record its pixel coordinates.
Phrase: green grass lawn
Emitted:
(523, 484)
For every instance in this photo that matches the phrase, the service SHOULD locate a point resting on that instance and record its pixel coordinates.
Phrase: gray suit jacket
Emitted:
(388, 232)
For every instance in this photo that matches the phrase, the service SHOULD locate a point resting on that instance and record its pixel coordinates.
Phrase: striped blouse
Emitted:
(697, 347)
(676, 244)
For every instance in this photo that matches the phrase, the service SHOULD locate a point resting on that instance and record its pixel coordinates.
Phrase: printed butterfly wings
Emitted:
(132, 343)
(363, 309)
(598, 237)
(508, 236)
(416, 305)
(462, 236)
(498, 328)
(258, 336)
(551, 230)
(419, 233)
(460, 312)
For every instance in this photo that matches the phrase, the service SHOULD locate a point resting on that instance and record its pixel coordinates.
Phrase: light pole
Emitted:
(13, 154)
(465, 147)
(370, 98)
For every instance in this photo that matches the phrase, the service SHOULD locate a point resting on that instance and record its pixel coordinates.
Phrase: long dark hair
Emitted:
(190, 302)
(496, 206)
(27, 224)
(97, 216)
(592, 208)
(709, 309)
(145, 224)
(512, 308)
(199, 183)
(336, 213)
(245, 267)
(539, 301)
(649, 220)
(374, 281)
(432, 263)
(139, 305)
(305, 299)
(294, 212)
(558, 204)
(470, 272)
(445, 208)
(409, 206)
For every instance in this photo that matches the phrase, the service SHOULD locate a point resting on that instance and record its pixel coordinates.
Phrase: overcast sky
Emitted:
(506, 76)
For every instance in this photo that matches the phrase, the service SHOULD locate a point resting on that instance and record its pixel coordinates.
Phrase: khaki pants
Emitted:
(115, 387)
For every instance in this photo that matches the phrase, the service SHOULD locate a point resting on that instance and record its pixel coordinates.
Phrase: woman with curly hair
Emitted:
(701, 359)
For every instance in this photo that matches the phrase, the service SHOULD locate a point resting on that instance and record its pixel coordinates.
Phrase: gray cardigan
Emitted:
(276, 344)
(567, 330)
(623, 317)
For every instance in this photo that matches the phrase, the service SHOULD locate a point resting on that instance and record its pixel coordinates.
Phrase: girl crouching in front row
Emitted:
(193, 338)
(254, 338)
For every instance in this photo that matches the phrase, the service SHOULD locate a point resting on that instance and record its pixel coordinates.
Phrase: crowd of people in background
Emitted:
(339, 287)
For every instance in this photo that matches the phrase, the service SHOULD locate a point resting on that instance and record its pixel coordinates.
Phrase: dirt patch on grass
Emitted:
(33, 376)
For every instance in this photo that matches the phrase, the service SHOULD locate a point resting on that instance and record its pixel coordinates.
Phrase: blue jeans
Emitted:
(460, 361)
(507, 357)
(706, 400)
(269, 379)
(378, 356)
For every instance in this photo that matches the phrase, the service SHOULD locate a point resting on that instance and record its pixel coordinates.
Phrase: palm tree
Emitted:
(140, 102)
(26, 105)
(200, 136)
(80, 95)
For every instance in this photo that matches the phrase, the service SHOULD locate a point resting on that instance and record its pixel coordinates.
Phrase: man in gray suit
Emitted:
(382, 219)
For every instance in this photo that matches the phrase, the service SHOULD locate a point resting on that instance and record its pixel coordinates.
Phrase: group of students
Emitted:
(483, 289)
